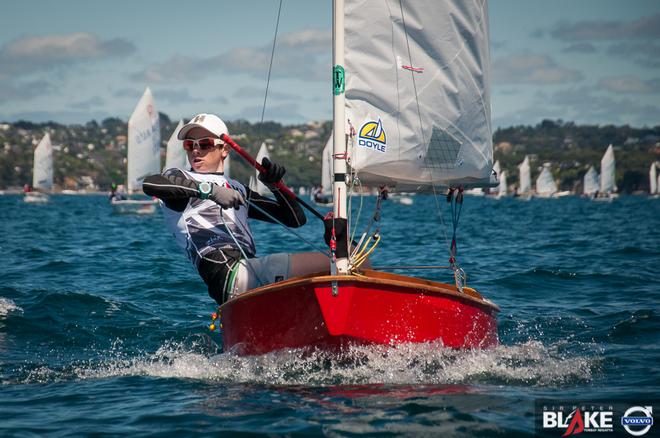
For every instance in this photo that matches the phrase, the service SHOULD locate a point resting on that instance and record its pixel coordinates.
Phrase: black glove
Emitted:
(340, 235)
(226, 197)
(272, 173)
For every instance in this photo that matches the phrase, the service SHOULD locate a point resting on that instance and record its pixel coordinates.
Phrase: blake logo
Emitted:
(372, 136)
(579, 419)
(632, 423)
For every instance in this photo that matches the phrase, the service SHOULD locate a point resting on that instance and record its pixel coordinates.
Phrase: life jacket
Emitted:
(199, 228)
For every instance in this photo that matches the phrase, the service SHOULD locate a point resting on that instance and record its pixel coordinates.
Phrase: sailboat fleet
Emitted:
(595, 186)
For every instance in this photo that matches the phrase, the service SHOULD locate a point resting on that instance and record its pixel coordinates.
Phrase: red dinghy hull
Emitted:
(371, 308)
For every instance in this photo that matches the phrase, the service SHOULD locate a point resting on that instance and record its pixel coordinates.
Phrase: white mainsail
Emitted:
(176, 156)
(607, 170)
(143, 142)
(326, 168)
(525, 176)
(590, 182)
(255, 184)
(417, 92)
(545, 183)
(502, 190)
(653, 179)
(497, 170)
(42, 174)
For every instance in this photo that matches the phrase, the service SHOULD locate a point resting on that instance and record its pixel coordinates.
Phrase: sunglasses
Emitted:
(202, 143)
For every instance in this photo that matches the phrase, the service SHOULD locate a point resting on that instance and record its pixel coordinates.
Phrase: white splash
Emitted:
(7, 306)
(528, 364)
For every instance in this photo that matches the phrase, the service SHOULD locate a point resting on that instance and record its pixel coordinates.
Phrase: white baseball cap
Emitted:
(210, 122)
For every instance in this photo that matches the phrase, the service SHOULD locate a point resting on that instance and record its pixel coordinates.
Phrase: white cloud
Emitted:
(37, 53)
(531, 69)
(92, 102)
(581, 48)
(643, 28)
(642, 53)
(629, 84)
(581, 105)
(16, 91)
(301, 55)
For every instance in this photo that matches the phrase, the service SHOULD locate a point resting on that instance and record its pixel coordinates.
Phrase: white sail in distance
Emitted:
(497, 170)
(143, 142)
(545, 183)
(255, 184)
(418, 92)
(42, 173)
(176, 156)
(607, 172)
(502, 190)
(653, 179)
(326, 167)
(525, 176)
(590, 182)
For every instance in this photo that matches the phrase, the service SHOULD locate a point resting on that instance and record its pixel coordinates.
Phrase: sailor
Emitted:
(115, 195)
(208, 214)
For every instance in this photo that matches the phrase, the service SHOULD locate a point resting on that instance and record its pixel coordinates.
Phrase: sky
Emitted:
(71, 61)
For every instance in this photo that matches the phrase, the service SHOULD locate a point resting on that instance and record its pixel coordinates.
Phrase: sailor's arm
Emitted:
(282, 208)
(171, 187)
(175, 190)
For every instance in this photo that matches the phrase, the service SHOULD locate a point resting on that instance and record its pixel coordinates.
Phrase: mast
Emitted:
(338, 119)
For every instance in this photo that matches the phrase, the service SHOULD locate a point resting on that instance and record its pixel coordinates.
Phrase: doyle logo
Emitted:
(372, 136)
(638, 420)
(574, 420)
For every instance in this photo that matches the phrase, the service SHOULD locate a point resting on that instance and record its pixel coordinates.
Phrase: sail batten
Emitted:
(417, 93)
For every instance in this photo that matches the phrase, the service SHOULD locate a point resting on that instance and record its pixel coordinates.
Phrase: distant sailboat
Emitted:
(608, 188)
(525, 183)
(143, 154)
(590, 183)
(497, 170)
(255, 184)
(176, 156)
(323, 195)
(654, 180)
(545, 184)
(502, 189)
(42, 172)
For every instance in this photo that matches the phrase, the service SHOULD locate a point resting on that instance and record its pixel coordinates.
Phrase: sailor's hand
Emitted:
(226, 197)
(272, 173)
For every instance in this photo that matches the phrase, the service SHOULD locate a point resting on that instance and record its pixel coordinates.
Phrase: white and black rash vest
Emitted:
(197, 223)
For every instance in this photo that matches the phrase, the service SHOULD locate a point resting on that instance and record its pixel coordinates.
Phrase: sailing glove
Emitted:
(226, 197)
(340, 235)
(272, 173)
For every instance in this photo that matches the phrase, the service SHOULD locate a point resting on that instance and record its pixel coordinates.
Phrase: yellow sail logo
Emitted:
(372, 136)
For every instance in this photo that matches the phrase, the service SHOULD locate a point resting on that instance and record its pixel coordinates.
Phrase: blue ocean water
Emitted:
(103, 325)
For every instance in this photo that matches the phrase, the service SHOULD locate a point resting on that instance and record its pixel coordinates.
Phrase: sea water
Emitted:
(104, 325)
